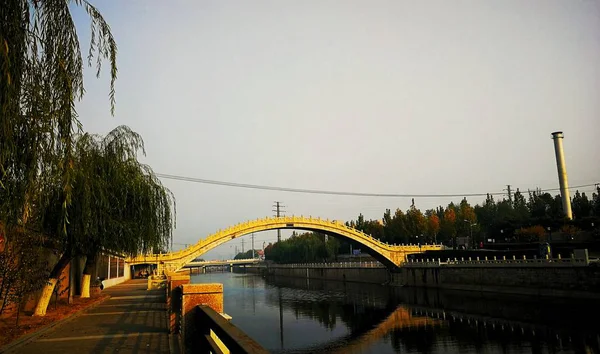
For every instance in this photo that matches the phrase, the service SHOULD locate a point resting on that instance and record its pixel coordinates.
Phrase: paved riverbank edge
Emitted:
(132, 320)
(29, 337)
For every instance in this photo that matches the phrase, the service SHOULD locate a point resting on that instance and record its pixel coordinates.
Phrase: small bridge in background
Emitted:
(390, 255)
(230, 262)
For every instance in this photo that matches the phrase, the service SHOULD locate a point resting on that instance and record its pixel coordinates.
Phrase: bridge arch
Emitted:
(390, 255)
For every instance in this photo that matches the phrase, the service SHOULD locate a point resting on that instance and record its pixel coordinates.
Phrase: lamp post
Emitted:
(549, 234)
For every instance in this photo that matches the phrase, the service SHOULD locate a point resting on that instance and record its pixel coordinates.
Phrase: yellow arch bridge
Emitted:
(390, 255)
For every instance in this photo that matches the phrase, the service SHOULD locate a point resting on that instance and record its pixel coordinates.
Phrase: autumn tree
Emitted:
(433, 226)
(570, 231)
(535, 233)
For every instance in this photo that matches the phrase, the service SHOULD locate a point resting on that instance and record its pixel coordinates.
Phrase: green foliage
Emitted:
(246, 255)
(596, 202)
(307, 247)
(581, 206)
(41, 77)
(116, 203)
(521, 212)
(491, 219)
(524, 220)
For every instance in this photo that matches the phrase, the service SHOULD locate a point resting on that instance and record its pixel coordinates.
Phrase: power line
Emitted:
(341, 193)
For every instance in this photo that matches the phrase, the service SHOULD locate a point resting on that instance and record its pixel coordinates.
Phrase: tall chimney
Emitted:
(562, 173)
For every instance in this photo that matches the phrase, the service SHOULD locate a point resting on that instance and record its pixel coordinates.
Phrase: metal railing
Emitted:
(371, 264)
(217, 335)
(495, 261)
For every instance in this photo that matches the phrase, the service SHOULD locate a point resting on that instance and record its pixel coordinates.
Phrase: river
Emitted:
(294, 315)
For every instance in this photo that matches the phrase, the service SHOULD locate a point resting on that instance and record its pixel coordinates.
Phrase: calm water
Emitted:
(292, 315)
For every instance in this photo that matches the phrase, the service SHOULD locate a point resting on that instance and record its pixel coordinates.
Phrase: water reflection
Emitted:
(293, 315)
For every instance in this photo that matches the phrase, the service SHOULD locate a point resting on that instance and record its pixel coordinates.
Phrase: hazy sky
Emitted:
(366, 96)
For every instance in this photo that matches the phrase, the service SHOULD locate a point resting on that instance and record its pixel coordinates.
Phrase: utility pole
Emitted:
(509, 193)
(243, 245)
(278, 212)
(253, 245)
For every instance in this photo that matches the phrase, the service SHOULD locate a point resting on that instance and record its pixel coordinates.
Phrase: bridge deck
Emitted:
(133, 320)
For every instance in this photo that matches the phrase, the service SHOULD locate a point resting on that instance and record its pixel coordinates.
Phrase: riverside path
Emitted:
(132, 320)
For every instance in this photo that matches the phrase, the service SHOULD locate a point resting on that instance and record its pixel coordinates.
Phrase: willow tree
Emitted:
(116, 205)
(41, 78)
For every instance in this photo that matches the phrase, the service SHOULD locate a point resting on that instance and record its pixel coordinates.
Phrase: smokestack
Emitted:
(562, 173)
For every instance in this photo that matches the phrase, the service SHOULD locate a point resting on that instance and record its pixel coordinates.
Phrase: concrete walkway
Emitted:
(133, 320)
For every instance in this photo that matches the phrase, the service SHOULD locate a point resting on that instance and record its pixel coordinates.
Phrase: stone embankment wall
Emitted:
(577, 282)
(363, 275)
(544, 281)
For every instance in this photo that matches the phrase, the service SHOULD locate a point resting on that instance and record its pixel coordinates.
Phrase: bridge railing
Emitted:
(495, 261)
(246, 227)
(217, 335)
(370, 264)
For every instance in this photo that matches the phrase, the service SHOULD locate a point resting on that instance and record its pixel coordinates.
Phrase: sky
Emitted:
(411, 97)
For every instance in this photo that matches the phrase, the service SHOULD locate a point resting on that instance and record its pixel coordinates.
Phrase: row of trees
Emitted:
(504, 219)
(518, 218)
(74, 193)
(306, 247)
(246, 255)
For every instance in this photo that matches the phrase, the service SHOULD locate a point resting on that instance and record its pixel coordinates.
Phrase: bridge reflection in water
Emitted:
(293, 315)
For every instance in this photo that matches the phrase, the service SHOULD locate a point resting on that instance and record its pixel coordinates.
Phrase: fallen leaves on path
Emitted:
(28, 324)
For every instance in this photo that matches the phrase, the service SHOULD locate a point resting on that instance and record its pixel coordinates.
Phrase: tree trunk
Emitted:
(2, 297)
(20, 303)
(90, 263)
(4, 301)
(42, 305)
